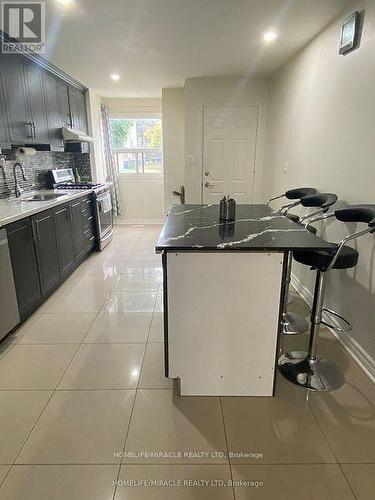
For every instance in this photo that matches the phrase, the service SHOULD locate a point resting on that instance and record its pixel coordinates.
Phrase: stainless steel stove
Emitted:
(64, 179)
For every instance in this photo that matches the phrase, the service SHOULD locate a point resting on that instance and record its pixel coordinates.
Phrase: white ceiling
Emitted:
(159, 43)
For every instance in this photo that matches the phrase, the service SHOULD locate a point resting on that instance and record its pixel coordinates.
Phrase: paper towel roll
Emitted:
(26, 151)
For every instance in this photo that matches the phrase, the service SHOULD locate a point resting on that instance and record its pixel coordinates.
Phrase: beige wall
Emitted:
(199, 92)
(137, 108)
(173, 143)
(322, 124)
(142, 198)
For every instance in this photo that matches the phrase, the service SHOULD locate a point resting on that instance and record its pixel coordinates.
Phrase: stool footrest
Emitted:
(292, 324)
(343, 324)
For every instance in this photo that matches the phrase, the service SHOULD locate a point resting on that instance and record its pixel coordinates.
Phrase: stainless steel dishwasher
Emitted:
(9, 316)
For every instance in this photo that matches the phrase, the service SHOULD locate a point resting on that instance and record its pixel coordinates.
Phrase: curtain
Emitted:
(110, 163)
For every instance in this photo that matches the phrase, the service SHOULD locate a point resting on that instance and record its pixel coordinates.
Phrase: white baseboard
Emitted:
(360, 356)
(139, 222)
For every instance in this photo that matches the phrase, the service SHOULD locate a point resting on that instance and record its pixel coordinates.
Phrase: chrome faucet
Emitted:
(17, 187)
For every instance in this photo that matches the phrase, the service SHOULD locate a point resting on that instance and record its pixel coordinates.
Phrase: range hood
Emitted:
(72, 135)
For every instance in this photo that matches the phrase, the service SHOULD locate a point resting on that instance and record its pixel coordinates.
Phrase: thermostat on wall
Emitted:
(349, 34)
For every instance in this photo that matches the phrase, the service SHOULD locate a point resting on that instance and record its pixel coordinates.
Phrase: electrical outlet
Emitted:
(285, 167)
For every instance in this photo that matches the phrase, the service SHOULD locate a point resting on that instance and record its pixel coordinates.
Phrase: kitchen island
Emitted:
(222, 295)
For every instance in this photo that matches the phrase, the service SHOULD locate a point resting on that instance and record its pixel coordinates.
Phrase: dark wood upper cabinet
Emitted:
(24, 264)
(33, 76)
(4, 121)
(20, 126)
(54, 114)
(66, 118)
(77, 102)
(35, 103)
(46, 251)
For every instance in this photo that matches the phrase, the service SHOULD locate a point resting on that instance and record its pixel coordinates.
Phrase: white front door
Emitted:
(229, 151)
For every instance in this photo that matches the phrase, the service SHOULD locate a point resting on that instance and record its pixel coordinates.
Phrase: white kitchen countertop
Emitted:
(13, 209)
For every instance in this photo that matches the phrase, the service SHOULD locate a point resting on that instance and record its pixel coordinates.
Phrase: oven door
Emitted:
(104, 214)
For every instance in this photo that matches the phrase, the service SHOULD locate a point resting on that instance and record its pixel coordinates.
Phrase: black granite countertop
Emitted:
(197, 227)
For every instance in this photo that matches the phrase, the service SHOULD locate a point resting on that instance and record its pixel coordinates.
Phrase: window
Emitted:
(137, 145)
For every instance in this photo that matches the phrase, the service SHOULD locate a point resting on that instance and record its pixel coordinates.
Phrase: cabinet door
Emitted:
(77, 228)
(46, 251)
(64, 237)
(4, 123)
(36, 102)
(82, 115)
(24, 264)
(77, 102)
(54, 115)
(65, 115)
(20, 126)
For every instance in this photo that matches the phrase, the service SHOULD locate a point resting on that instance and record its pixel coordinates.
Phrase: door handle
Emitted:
(208, 185)
(181, 194)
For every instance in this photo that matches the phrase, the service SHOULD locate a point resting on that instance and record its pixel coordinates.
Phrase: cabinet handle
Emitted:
(34, 129)
(33, 230)
(31, 134)
(75, 204)
(60, 211)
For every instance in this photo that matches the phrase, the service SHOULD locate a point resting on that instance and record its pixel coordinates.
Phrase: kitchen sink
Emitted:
(43, 197)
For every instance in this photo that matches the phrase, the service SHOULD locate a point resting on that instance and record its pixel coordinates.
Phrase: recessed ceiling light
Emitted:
(269, 36)
(115, 77)
(66, 3)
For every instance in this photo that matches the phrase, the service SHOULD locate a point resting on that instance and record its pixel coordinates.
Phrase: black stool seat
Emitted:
(321, 259)
(312, 229)
(292, 217)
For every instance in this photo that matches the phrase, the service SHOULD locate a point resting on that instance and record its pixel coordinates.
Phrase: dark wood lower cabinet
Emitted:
(47, 247)
(25, 268)
(64, 236)
(46, 251)
(77, 228)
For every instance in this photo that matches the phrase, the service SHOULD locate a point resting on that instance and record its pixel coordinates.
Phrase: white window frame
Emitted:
(139, 175)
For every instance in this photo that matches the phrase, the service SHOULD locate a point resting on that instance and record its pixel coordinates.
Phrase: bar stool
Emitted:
(292, 324)
(307, 369)
(292, 194)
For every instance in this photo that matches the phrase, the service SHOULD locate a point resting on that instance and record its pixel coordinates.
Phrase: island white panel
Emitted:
(223, 311)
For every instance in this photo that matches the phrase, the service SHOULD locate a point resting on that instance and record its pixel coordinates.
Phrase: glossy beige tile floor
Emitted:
(86, 412)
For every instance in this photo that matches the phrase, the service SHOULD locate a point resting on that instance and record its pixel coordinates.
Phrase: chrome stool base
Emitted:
(316, 374)
(292, 324)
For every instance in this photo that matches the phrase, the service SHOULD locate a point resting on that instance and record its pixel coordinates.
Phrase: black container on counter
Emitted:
(227, 209)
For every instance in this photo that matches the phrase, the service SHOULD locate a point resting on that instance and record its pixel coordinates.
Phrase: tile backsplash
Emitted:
(36, 169)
